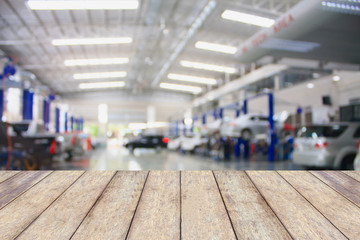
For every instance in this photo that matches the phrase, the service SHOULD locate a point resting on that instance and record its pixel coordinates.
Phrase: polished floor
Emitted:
(115, 158)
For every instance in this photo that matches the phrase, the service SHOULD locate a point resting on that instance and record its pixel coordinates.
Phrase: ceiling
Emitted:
(157, 28)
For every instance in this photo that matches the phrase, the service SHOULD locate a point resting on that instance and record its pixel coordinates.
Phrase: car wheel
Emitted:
(131, 149)
(348, 162)
(246, 134)
(158, 149)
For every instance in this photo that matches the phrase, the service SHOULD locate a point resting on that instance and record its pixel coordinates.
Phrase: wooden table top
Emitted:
(180, 205)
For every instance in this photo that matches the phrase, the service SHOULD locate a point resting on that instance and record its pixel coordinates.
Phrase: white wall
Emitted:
(290, 98)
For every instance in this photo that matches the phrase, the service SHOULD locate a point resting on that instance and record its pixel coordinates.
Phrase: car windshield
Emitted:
(21, 127)
(322, 131)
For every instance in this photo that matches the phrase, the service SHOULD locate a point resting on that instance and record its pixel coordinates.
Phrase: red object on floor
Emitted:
(252, 148)
(88, 144)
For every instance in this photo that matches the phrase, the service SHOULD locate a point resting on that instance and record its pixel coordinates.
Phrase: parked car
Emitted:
(249, 125)
(175, 143)
(191, 144)
(154, 141)
(357, 158)
(327, 145)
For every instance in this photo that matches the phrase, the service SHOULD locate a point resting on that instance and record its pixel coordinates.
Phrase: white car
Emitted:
(357, 158)
(212, 128)
(175, 144)
(249, 125)
(190, 144)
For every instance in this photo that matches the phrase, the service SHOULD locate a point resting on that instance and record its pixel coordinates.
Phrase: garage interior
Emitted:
(180, 85)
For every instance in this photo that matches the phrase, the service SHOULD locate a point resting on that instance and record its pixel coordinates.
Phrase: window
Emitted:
(322, 131)
(357, 133)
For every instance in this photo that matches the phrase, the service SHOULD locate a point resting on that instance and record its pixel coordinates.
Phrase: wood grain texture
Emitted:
(203, 212)
(344, 184)
(7, 174)
(63, 217)
(111, 216)
(18, 214)
(299, 217)
(251, 216)
(158, 213)
(336, 208)
(354, 174)
(18, 184)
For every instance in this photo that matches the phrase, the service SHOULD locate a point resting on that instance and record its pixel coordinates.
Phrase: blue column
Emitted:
(1, 103)
(237, 113)
(57, 120)
(176, 128)
(221, 113)
(215, 114)
(66, 122)
(204, 119)
(245, 107)
(46, 114)
(72, 123)
(28, 100)
(271, 154)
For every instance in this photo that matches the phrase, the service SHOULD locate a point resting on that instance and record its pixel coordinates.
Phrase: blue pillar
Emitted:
(215, 114)
(57, 120)
(1, 103)
(46, 114)
(237, 113)
(271, 154)
(221, 113)
(66, 122)
(176, 128)
(28, 100)
(204, 119)
(72, 123)
(245, 107)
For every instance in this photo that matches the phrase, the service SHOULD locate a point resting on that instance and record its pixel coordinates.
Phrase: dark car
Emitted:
(157, 142)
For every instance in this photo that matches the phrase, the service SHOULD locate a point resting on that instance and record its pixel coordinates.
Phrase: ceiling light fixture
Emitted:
(91, 41)
(215, 47)
(210, 67)
(95, 61)
(82, 5)
(336, 78)
(115, 84)
(188, 78)
(178, 87)
(247, 18)
(96, 75)
(310, 85)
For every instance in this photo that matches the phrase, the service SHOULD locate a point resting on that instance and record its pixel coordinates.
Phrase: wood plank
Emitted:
(18, 184)
(251, 216)
(203, 212)
(111, 216)
(336, 208)
(353, 174)
(7, 174)
(64, 216)
(18, 214)
(344, 184)
(158, 213)
(299, 217)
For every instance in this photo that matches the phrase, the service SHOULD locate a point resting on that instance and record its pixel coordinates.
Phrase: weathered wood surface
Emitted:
(179, 205)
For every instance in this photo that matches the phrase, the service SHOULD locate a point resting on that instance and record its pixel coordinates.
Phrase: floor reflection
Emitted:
(148, 159)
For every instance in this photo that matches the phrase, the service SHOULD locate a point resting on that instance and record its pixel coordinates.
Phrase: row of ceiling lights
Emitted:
(133, 4)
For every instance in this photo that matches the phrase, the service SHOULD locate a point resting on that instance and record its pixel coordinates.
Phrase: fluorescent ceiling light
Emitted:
(96, 61)
(99, 75)
(210, 67)
(82, 5)
(178, 87)
(216, 47)
(91, 41)
(336, 78)
(289, 45)
(310, 85)
(188, 78)
(247, 18)
(115, 84)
